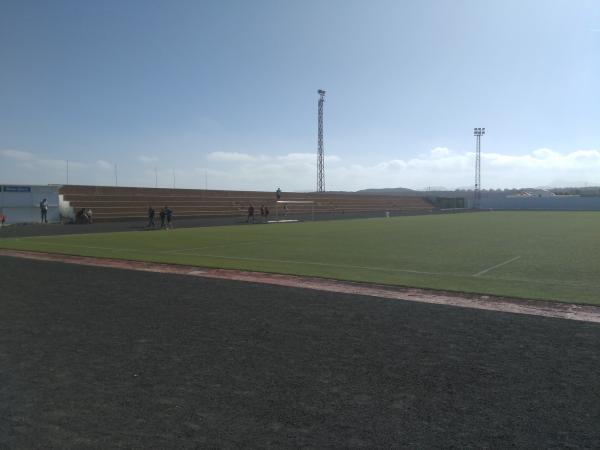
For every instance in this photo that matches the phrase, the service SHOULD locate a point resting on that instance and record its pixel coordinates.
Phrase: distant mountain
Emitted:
(384, 191)
(467, 192)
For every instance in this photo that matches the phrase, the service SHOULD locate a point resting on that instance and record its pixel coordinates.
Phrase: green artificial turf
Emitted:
(540, 255)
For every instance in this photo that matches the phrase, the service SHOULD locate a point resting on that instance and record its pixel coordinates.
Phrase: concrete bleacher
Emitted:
(131, 203)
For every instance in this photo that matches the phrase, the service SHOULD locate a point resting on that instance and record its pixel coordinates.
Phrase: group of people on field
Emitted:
(84, 216)
(166, 218)
(264, 210)
(264, 214)
(166, 214)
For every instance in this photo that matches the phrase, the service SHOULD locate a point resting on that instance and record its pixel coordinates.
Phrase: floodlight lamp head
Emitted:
(321, 92)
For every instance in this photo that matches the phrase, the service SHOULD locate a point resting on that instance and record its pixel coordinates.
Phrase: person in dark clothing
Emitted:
(250, 214)
(266, 214)
(278, 193)
(44, 210)
(169, 216)
(162, 218)
(151, 217)
(82, 217)
(262, 213)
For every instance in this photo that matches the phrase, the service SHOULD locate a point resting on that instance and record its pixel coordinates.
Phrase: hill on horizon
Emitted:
(397, 190)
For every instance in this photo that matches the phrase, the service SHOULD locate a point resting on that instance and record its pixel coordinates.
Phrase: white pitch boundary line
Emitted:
(190, 252)
(496, 266)
(208, 247)
(283, 261)
(147, 251)
(313, 263)
(137, 250)
(91, 247)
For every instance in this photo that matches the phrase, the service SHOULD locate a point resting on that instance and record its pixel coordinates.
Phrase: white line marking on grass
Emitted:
(313, 263)
(496, 266)
(570, 282)
(242, 258)
(187, 252)
(92, 247)
(207, 247)
(144, 250)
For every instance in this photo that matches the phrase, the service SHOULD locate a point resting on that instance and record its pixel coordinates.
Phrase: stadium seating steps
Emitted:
(125, 203)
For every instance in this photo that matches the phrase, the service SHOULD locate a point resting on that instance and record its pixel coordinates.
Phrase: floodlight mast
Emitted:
(320, 151)
(477, 132)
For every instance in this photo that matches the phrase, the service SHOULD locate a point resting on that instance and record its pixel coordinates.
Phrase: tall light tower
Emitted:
(320, 152)
(477, 132)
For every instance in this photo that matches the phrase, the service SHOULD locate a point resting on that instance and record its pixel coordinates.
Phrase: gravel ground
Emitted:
(106, 358)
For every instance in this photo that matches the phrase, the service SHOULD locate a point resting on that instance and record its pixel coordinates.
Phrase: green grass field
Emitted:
(539, 255)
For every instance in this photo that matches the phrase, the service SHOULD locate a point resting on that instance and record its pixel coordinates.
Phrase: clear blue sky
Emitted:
(227, 90)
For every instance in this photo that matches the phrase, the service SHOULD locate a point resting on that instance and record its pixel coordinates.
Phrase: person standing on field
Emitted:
(169, 216)
(162, 218)
(151, 217)
(44, 210)
(250, 214)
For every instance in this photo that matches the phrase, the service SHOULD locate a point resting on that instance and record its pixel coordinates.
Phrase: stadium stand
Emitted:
(131, 203)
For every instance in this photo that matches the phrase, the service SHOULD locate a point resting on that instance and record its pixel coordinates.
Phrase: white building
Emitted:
(21, 203)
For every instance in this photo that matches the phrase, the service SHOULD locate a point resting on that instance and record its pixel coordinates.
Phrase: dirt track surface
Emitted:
(94, 358)
(585, 313)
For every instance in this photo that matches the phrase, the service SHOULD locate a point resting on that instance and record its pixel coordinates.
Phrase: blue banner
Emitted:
(17, 188)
